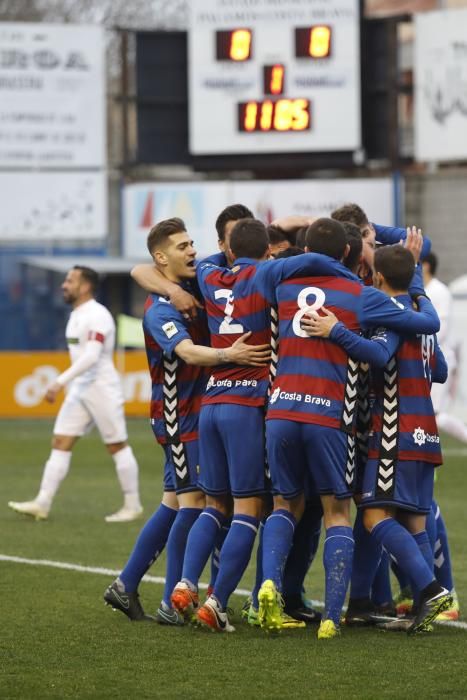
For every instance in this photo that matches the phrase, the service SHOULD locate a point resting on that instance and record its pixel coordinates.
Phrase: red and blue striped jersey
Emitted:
(235, 306)
(316, 380)
(239, 300)
(403, 423)
(177, 388)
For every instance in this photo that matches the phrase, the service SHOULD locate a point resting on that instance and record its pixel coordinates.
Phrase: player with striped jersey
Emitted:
(177, 355)
(404, 444)
(310, 420)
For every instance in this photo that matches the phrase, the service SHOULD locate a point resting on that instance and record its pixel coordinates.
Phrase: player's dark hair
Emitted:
(432, 261)
(350, 212)
(353, 237)
(160, 233)
(300, 237)
(276, 235)
(396, 264)
(90, 275)
(234, 212)
(249, 239)
(326, 236)
(289, 252)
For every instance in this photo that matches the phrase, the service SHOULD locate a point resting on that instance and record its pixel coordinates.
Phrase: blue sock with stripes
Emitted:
(235, 555)
(402, 546)
(176, 546)
(150, 543)
(277, 541)
(366, 558)
(337, 559)
(223, 532)
(200, 543)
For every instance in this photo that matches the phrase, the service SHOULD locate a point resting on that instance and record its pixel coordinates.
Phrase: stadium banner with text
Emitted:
(52, 96)
(199, 204)
(54, 206)
(441, 85)
(25, 377)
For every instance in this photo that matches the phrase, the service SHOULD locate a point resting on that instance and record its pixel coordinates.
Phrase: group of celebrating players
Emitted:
(291, 374)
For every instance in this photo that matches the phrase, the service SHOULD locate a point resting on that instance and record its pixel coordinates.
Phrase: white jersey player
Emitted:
(441, 393)
(94, 397)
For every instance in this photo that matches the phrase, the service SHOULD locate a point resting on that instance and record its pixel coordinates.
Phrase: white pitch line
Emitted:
(455, 451)
(150, 579)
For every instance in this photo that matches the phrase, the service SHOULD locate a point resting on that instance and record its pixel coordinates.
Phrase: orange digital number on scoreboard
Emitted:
(234, 45)
(274, 115)
(313, 42)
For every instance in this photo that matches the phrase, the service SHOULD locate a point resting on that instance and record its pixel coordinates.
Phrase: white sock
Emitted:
(127, 473)
(55, 470)
(452, 425)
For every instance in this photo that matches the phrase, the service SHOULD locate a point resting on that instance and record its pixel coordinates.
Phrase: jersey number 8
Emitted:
(305, 308)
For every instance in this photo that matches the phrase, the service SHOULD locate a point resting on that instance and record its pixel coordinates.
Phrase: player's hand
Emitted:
(185, 302)
(414, 242)
(319, 326)
(243, 354)
(52, 392)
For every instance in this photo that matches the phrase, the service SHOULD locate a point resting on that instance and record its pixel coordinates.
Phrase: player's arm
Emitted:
(389, 235)
(271, 273)
(377, 309)
(377, 351)
(292, 222)
(239, 353)
(152, 280)
(91, 353)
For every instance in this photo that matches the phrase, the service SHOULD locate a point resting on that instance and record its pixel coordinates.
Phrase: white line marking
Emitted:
(455, 452)
(151, 579)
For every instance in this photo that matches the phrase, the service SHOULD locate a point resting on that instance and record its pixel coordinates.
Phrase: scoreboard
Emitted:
(274, 76)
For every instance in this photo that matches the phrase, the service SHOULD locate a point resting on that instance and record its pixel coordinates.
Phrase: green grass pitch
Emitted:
(58, 640)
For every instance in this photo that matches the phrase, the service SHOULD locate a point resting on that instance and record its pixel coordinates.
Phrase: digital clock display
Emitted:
(274, 115)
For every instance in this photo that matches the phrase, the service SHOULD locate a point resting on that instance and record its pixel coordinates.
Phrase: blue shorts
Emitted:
(181, 468)
(232, 454)
(406, 485)
(301, 455)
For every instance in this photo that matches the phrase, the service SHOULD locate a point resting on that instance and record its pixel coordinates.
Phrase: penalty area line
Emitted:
(99, 570)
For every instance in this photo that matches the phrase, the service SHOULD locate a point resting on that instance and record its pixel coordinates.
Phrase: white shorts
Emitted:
(98, 405)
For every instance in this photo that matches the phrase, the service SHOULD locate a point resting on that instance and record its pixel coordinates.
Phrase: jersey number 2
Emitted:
(227, 325)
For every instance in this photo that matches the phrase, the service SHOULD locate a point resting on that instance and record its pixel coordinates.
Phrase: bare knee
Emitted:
(222, 503)
(192, 499)
(63, 443)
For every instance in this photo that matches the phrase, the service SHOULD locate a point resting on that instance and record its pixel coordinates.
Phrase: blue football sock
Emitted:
(430, 526)
(424, 545)
(200, 544)
(223, 532)
(235, 555)
(400, 544)
(337, 559)
(366, 558)
(277, 541)
(402, 578)
(303, 550)
(381, 592)
(443, 570)
(176, 545)
(150, 543)
(259, 566)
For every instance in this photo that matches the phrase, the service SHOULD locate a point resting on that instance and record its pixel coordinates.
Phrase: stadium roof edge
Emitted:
(101, 264)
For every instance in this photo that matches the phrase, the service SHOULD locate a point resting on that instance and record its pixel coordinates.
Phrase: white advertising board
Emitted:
(441, 85)
(199, 205)
(52, 206)
(52, 96)
(274, 77)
